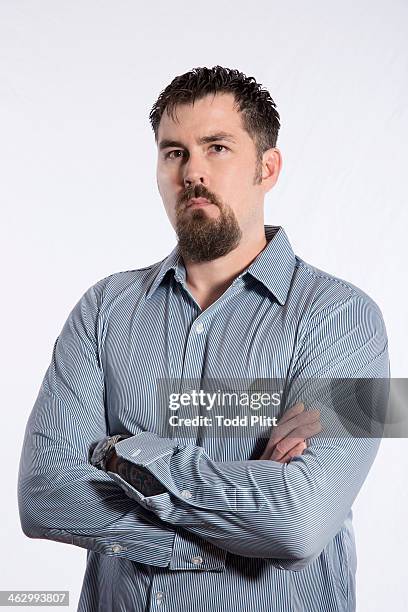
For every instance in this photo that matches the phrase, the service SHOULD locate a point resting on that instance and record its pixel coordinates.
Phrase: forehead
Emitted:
(212, 113)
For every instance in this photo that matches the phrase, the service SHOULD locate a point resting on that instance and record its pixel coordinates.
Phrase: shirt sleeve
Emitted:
(266, 509)
(61, 496)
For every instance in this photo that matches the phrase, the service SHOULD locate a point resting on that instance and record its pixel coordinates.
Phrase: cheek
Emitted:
(165, 175)
(236, 187)
(161, 181)
(170, 207)
(237, 176)
(166, 189)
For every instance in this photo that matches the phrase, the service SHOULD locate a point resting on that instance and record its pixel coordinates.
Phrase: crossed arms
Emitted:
(255, 508)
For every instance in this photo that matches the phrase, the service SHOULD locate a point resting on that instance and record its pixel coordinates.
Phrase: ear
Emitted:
(271, 167)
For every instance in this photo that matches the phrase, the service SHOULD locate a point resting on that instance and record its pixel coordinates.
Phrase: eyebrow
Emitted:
(165, 143)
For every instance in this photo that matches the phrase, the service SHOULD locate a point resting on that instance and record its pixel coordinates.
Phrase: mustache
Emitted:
(197, 191)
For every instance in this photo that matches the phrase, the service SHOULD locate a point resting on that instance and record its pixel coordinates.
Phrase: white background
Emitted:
(79, 197)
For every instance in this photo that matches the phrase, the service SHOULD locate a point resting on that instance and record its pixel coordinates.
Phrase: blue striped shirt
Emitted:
(231, 531)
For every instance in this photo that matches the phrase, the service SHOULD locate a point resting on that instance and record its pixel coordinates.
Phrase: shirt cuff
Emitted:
(146, 449)
(179, 469)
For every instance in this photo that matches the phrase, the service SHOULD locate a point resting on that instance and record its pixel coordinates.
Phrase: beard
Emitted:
(203, 238)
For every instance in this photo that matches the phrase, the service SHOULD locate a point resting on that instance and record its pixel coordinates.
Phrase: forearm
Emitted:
(289, 512)
(62, 497)
(256, 508)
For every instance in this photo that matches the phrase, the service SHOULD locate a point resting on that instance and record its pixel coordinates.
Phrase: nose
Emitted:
(191, 180)
(194, 172)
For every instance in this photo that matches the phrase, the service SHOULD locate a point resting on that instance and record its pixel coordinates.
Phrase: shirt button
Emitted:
(159, 595)
(197, 560)
(186, 494)
(116, 548)
(199, 328)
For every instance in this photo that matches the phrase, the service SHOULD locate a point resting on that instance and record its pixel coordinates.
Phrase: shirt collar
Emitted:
(273, 267)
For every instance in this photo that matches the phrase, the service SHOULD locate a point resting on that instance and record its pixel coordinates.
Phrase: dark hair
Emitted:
(259, 115)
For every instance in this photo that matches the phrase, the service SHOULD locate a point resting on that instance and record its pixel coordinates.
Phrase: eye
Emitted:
(222, 147)
(173, 153)
(170, 156)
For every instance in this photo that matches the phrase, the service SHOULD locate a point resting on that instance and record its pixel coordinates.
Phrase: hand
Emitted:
(288, 438)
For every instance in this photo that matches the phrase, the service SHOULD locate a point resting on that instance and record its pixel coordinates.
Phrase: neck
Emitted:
(208, 280)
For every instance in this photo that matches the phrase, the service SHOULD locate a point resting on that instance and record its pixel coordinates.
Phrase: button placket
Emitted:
(199, 327)
(196, 337)
(194, 355)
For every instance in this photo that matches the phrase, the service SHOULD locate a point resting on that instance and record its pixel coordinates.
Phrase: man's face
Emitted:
(222, 169)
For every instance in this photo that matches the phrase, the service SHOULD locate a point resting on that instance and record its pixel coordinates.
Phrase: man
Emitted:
(212, 522)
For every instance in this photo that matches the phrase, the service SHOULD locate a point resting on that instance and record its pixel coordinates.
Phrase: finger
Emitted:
(292, 418)
(302, 434)
(284, 447)
(278, 445)
(297, 451)
(294, 452)
(306, 430)
(291, 427)
(278, 432)
(292, 411)
(284, 428)
(271, 445)
(288, 414)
